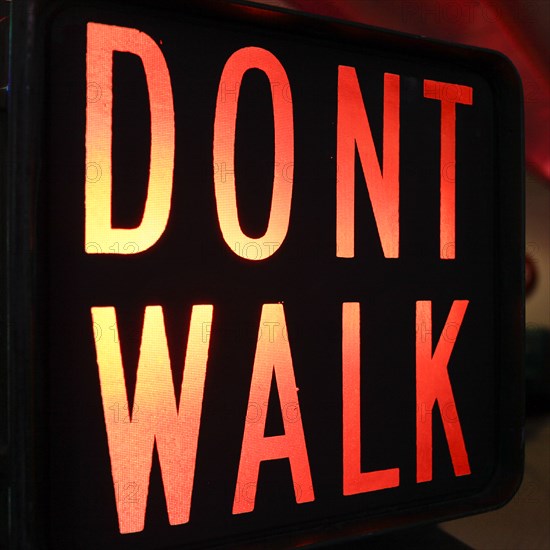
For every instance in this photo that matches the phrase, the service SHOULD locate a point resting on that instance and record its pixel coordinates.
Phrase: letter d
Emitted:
(102, 41)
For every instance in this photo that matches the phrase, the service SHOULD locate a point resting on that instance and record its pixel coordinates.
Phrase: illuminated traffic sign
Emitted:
(275, 275)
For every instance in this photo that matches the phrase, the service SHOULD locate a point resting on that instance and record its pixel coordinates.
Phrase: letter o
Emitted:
(224, 150)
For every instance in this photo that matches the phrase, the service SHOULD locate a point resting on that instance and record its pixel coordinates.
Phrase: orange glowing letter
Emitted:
(354, 129)
(224, 150)
(356, 481)
(433, 384)
(273, 356)
(155, 417)
(449, 95)
(100, 236)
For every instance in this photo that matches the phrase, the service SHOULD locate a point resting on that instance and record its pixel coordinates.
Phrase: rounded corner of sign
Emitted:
(504, 72)
(503, 485)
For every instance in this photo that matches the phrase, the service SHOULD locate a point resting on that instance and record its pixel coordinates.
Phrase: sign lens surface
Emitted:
(273, 266)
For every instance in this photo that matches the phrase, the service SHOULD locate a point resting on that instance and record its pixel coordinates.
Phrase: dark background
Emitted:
(191, 264)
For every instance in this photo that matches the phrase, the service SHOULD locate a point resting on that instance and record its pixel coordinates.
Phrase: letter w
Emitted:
(155, 416)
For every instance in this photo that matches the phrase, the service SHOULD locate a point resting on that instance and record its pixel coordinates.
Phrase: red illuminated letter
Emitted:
(433, 384)
(100, 236)
(356, 481)
(449, 95)
(354, 129)
(273, 356)
(224, 149)
(155, 417)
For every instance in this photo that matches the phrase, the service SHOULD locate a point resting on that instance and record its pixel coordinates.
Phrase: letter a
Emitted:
(273, 356)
